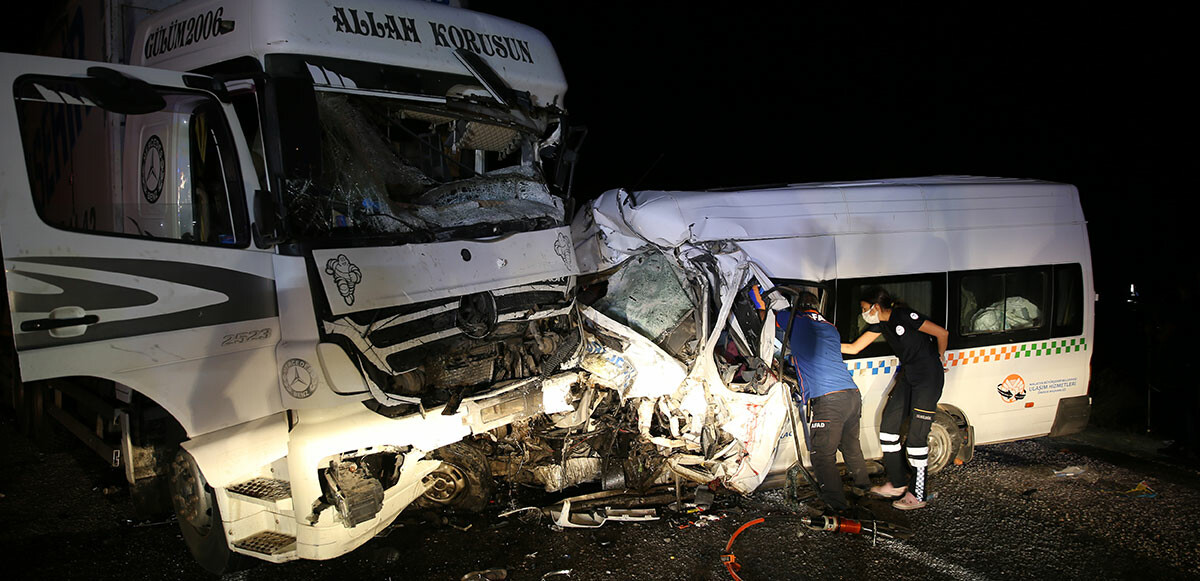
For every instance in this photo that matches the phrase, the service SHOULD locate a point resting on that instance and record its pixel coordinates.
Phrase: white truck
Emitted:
(283, 282)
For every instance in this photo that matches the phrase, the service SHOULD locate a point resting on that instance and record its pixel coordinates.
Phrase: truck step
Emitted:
(263, 488)
(267, 543)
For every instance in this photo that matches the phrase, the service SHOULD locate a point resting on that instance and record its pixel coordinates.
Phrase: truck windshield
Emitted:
(394, 168)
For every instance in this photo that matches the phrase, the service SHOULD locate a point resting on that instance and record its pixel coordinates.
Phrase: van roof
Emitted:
(918, 211)
(403, 33)
(859, 207)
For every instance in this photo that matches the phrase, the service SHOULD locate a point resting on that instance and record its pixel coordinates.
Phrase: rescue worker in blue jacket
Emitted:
(833, 398)
(919, 344)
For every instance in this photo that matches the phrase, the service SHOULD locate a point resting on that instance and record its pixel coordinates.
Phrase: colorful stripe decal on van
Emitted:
(1027, 350)
(982, 355)
(873, 367)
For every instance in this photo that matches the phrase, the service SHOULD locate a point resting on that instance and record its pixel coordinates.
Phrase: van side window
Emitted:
(1002, 302)
(1068, 300)
(173, 180)
(923, 293)
(1000, 306)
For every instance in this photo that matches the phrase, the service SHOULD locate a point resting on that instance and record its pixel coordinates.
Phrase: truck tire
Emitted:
(945, 441)
(462, 482)
(199, 517)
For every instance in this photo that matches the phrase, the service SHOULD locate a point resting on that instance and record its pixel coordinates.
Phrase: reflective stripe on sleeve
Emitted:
(891, 447)
(886, 437)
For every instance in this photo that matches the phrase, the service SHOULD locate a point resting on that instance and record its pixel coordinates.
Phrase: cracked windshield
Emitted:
(394, 169)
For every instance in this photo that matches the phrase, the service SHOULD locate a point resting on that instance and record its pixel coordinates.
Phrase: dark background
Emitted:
(705, 95)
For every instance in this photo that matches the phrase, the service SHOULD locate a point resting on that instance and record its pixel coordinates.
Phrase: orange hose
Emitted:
(731, 561)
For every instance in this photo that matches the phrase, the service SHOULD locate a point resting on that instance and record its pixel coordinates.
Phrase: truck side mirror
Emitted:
(293, 133)
(121, 93)
(265, 222)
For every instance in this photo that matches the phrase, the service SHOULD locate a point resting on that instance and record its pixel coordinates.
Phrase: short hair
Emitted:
(809, 301)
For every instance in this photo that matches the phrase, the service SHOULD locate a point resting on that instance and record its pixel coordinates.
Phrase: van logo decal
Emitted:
(345, 275)
(1012, 388)
(298, 378)
(562, 247)
(154, 164)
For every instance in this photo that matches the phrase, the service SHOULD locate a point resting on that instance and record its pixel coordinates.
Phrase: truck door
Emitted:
(124, 223)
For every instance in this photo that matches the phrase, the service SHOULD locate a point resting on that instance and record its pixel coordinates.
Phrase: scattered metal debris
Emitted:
(486, 575)
(1070, 471)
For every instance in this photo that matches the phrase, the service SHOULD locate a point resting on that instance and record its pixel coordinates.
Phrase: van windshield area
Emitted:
(397, 169)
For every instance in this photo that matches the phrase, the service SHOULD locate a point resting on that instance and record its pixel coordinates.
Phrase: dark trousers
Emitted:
(914, 396)
(835, 426)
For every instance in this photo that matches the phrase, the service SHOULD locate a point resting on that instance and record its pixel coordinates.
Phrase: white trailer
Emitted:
(333, 249)
(1003, 264)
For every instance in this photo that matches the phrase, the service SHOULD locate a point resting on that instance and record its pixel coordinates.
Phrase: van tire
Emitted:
(199, 517)
(945, 441)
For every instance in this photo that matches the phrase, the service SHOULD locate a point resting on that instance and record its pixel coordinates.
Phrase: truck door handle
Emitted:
(48, 324)
(63, 322)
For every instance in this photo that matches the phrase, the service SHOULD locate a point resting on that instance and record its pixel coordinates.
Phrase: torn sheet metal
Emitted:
(756, 422)
(564, 517)
(708, 429)
(556, 393)
(780, 227)
(641, 370)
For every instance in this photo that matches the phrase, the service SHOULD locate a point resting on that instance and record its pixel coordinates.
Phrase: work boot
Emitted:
(887, 491)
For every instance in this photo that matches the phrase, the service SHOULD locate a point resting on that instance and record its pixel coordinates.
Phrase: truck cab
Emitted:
(327, 247)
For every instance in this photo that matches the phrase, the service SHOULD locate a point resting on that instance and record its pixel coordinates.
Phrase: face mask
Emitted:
(872, 318)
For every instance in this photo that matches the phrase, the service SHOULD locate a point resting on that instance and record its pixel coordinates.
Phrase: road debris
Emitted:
(1070, 471)
(1142, 490)
(486, 575)
(563, 572)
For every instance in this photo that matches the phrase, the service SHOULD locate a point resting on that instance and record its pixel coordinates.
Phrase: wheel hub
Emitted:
(445, 484)
(939, 447)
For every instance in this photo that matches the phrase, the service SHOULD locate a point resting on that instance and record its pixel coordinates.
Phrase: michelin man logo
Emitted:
(345, 275)
(914, 316)
(562, 247)
(899, 330)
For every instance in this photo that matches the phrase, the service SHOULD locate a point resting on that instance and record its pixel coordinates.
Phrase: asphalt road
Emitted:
(1002, 516)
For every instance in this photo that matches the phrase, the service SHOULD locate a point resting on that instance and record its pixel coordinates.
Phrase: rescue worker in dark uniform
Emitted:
(833, 397)
(918, 387)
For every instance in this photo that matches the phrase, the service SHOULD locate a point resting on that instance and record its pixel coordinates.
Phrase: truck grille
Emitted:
(461, 342)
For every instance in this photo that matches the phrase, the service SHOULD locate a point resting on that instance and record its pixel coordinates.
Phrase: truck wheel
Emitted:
(199, 517)
(463, 481)
(945, 440)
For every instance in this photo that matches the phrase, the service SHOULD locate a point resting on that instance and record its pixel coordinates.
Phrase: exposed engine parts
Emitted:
(354, 485)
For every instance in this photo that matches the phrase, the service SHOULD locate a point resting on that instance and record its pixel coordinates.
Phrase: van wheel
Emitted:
(945, 441)
(199, 517)
(463, 481)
